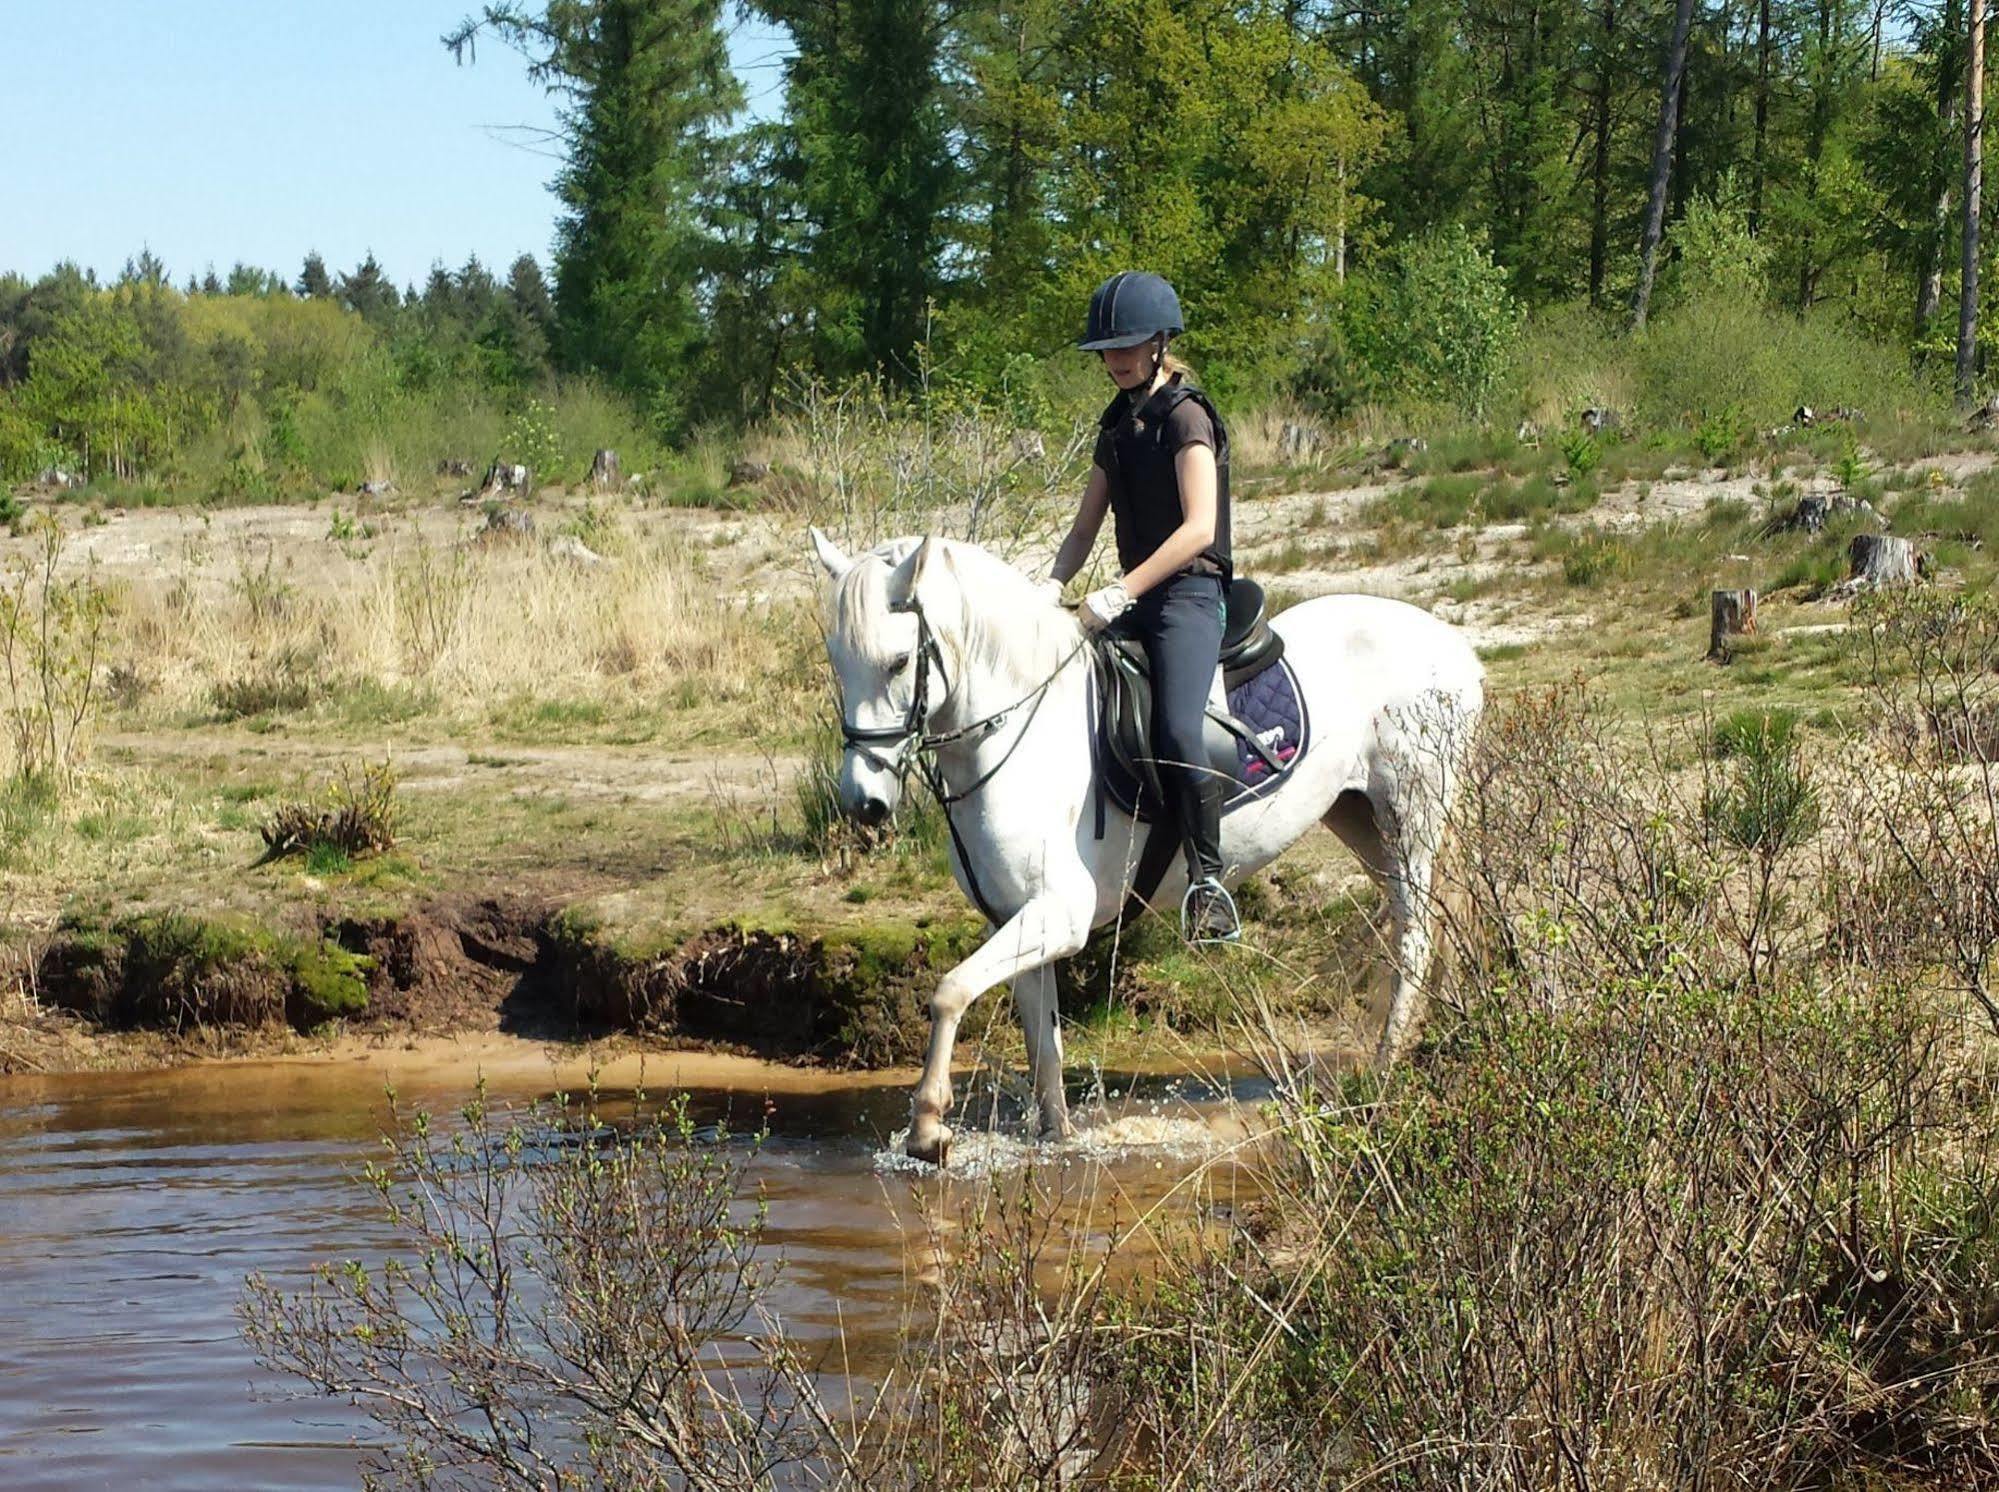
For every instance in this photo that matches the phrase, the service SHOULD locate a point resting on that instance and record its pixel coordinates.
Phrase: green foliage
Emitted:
(174, 972)
(1594, 557)
(647, 85)
(1749, 732)
(1718, 258)
(1764, 802)
(532, 441)
(1851, 468)
(1580, 452)
(1734, 363)
(1720, 432)
(1443, 328)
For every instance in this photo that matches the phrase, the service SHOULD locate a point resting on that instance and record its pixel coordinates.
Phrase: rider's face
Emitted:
(1129, 367)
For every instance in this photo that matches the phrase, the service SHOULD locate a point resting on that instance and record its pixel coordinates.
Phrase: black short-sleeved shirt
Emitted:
(1136, 448)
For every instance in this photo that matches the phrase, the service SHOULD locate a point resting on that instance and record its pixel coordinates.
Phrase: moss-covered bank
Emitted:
(851, 995)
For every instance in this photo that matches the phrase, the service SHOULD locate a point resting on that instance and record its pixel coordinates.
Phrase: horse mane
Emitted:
(1009, 626)
(1004, 624)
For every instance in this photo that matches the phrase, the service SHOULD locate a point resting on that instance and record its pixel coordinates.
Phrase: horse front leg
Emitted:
(1041, 1024)
(1046, 929)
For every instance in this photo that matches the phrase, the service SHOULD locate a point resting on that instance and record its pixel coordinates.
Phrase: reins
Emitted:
(911, 740)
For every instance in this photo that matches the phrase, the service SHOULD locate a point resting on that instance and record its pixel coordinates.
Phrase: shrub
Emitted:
(1747, 732)
(1592, 558)
(355, 816)
(52, 635)
(532, 441)
(1579, 451)
(285, 680)
(1441, 327)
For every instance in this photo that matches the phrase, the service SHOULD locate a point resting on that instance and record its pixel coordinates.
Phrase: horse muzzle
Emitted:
(868, 794)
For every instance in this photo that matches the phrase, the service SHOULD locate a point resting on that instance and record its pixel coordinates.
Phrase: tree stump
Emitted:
(504, 478)
(508, 523)
(604, 473)
(1297, 442)
(1816, 509)
(1730, 614)
(1882, 559)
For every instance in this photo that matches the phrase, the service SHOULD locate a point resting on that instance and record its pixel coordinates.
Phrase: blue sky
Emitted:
(217, 130)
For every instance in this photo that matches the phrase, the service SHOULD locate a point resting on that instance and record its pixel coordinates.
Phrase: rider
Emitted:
(1162, 468)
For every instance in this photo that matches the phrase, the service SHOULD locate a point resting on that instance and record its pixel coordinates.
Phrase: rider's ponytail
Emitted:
(1174, 367)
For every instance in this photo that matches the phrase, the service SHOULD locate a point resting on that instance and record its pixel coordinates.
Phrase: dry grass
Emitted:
(465, 622)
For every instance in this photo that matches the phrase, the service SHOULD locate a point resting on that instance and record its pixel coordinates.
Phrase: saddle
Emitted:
(1246, 727)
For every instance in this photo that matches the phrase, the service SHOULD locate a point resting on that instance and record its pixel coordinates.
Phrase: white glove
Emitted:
(1049, 591)
(1102, 607)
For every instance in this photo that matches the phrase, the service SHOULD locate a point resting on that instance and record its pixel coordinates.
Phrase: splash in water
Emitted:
(1155, 1134)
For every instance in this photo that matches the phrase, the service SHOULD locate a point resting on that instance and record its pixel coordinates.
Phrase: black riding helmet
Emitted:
(1128, 309)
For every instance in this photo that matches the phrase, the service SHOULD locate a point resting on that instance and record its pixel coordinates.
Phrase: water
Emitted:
(132, 1206)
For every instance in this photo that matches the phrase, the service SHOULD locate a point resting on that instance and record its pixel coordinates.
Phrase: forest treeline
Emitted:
(1401, 203)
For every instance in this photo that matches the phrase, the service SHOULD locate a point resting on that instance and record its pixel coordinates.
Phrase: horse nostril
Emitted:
(872, 812)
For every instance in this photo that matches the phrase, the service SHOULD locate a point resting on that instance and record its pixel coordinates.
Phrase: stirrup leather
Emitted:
(1219, 894)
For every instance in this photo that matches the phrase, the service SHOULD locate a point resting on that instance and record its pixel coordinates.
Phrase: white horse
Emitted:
(942, 647)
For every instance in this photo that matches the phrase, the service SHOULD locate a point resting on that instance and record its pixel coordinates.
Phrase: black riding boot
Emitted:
(1208, 913)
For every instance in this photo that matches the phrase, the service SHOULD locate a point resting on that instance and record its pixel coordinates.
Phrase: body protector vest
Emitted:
(1135, 448)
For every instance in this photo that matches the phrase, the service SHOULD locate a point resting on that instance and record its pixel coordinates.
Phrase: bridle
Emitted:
(911, 732)
(895, 747)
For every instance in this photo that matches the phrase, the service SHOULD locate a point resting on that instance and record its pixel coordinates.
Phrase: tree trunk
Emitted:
(1815, 138)
(1599, 215)
(1340, 233)
(1730, 614)
(1762, 115)
(1929, 290)
(1882, 559)
(1974, 181)
(1662, 159)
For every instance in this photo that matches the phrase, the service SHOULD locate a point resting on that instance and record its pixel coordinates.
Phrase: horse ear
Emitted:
(831, 557)
(909, 574)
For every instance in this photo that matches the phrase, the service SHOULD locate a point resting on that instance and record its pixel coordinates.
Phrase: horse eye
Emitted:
(898, 663)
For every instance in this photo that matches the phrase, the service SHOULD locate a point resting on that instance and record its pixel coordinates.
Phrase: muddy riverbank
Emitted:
(150, 989)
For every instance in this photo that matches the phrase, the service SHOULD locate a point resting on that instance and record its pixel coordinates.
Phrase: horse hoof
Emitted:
(933, 1148)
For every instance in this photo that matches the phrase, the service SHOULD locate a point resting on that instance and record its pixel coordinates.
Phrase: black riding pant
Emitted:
(1180, 625)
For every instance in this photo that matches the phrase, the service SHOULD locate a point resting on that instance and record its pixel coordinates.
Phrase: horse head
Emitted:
(886, 660)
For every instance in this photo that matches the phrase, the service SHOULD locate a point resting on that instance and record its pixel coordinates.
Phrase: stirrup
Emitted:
(1216, 896)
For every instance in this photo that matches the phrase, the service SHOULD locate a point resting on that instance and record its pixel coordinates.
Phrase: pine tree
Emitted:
(645, 86)
(146, 270)
(314, 283)
(528, 292)
(369, 293)
(475, 291)
(245, 279)
(872, 170)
